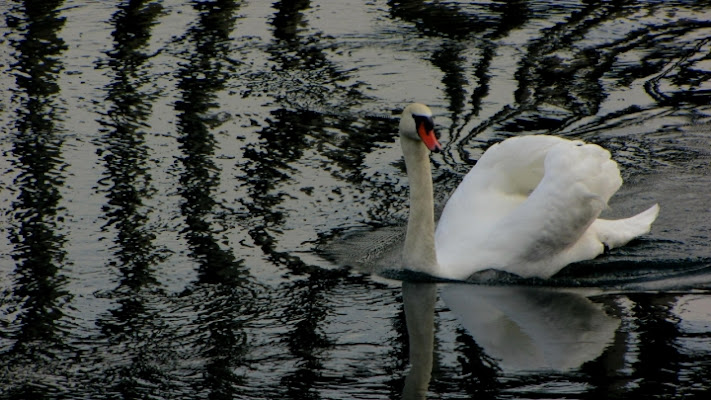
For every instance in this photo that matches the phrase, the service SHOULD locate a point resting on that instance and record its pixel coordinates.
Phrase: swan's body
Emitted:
(530, 206)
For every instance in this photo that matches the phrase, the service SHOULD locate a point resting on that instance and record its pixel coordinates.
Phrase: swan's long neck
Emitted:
(419, 252)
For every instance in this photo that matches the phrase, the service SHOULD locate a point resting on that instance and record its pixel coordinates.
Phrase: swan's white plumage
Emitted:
(530, 206)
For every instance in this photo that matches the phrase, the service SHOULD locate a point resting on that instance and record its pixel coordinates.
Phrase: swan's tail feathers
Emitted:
(616, 233)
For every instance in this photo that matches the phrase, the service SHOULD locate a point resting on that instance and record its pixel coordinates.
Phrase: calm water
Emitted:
(173, 170)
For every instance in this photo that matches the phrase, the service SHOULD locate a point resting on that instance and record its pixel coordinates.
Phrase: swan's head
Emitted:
(416, 124)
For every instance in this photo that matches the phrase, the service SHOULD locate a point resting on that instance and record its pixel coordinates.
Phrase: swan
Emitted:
(529, 206)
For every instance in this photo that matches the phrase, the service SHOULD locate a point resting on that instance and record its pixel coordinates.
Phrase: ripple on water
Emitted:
(171, 168)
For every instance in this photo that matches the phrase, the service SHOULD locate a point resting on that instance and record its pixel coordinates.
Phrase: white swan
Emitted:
(529, 206)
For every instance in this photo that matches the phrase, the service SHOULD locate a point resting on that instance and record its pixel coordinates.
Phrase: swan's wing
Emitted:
(502, 179)
(578, 181)
(514, 166)
(538, 234)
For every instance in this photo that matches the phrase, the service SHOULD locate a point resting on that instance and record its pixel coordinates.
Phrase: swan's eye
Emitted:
(424, 121)
(425, 130)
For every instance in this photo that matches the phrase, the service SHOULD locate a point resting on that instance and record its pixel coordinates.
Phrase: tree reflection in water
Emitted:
(36, 340)
(277, 120)
(128, 331)
(223, 298)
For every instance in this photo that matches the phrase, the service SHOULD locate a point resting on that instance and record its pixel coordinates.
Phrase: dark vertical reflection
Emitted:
(305, 298)
(37, 336)
(134, 329)
(223, 297)
(659, 360)
(286, 141)
(479, 372)
(575, 82)
(438, 19)
(306, 79)
(287, 21)
(306, 305)
(306, 340)
(449, 60)
(267, 166)
(459, 29)
(204, 74)
(552, 75)
(512, 15)
(605, 374)
(451, 23)
(652, 344)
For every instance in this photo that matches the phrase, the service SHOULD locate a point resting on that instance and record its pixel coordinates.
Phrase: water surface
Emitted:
(170, 171)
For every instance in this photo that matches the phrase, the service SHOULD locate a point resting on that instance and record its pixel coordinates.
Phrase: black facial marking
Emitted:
(424, 119)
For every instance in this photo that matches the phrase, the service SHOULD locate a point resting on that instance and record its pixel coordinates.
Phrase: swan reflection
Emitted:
(522, 328)
(419, 302)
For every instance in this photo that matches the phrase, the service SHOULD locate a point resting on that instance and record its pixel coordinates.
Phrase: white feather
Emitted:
(530, 206)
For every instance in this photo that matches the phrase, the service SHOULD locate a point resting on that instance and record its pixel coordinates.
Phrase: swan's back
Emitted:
(514, 166)
(527, 207)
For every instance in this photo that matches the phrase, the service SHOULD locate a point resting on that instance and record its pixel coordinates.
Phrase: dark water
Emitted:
(169, 169)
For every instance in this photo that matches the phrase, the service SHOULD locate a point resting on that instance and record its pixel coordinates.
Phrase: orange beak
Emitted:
(425, 128)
